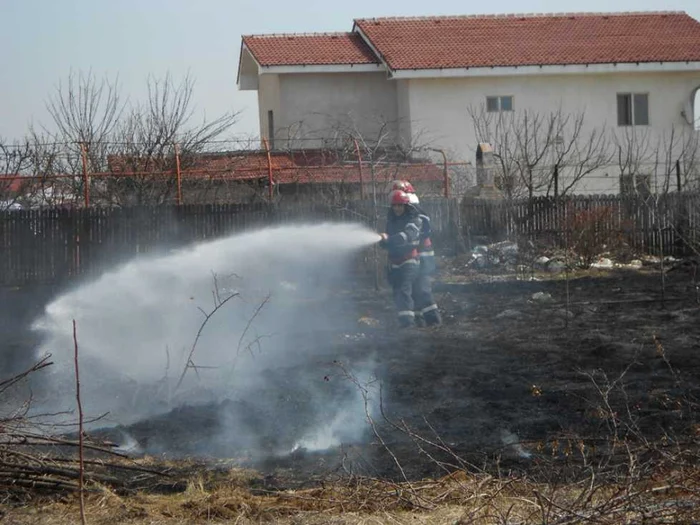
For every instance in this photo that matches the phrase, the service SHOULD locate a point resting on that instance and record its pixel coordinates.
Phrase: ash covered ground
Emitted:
(507, 372)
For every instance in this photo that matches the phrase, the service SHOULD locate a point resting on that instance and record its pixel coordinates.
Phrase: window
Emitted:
(635, 184)
(496, 104)
(632, 109)
(271, 129)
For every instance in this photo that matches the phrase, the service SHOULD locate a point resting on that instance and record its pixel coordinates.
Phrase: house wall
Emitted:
(321, 105)
(268, 100)
(439, 107)
(403, 110)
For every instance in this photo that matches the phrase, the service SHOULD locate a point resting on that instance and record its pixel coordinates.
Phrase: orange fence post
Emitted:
(269, 168)
(446, 181)
(86, 180)
(178, 175)
(359, 167)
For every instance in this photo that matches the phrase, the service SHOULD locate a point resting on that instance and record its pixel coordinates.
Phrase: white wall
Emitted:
(438, 107)
(268, 100)
(403, 109)
(320, 104)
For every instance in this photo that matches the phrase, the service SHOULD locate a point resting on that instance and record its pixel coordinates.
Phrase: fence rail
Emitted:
(54, 245)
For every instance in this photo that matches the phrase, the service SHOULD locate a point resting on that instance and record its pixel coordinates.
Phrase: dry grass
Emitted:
(460, 498)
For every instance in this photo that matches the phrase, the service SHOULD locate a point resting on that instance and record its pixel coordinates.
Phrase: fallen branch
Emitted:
(42, 363)
(25, 438)
(81, 468)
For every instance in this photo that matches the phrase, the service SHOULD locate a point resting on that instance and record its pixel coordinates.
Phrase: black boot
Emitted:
(432, 318)
(406, 321)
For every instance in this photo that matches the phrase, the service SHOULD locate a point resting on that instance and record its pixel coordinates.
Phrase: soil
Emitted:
(507, 378)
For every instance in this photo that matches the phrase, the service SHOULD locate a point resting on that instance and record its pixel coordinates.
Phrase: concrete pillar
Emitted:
(485, 175)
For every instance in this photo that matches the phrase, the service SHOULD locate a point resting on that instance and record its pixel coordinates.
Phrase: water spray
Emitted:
(137, 321)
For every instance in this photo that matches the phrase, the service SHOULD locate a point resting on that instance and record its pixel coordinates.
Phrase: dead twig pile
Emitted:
(35, 461)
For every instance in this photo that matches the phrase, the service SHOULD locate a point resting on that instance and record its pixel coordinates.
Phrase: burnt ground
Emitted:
(504, 367)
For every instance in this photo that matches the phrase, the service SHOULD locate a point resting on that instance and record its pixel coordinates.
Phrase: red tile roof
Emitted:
(303, 167)
(312, 49)
(519, 40)
(13, 183)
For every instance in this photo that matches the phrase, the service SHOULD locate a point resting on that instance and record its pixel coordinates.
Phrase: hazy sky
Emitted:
(41, 40)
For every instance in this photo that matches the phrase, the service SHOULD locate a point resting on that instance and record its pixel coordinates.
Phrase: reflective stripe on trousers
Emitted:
(409, 261)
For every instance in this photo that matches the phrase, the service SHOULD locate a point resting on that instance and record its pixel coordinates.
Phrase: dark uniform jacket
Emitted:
(404, 236)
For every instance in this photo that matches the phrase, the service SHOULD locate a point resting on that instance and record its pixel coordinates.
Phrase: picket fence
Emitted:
(662, 224)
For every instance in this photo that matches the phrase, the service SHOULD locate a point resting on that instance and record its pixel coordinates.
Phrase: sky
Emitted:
(42, 40)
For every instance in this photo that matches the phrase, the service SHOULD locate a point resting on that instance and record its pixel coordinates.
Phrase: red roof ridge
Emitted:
(521, 15)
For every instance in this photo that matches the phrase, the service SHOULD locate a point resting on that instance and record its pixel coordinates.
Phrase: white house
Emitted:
(631, 74)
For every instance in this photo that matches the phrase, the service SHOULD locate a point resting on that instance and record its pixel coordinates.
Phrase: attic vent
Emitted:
(437, 21)
(290, 38)
(334, 37)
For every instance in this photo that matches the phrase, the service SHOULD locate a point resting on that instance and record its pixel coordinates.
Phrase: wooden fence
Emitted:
(54, 245)
(668, 224)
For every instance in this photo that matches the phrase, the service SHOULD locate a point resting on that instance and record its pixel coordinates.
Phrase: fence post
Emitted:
(359, 164)
(556, 181)
(445, 174)
(86, 180)
(178, 174)
(269, 168)
(678, 175)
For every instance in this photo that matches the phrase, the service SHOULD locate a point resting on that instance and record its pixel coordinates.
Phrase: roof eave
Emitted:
(281, 69)
(549, 69)
(245, 48)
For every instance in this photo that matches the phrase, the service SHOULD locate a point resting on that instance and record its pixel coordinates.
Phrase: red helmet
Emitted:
(403, 185)
(399, 197)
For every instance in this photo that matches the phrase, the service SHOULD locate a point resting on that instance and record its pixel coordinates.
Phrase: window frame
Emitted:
(631, 108)
(499, 103)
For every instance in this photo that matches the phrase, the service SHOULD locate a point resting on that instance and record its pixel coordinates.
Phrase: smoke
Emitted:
(264, 292)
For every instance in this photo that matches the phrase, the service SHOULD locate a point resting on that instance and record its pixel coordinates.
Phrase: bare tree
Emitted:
(15, 159)
(540, 153)
(101, 134)
(652, 171)
(347, 146)
(635, 152)
(86, 110)
(147, 137)
(56, 172)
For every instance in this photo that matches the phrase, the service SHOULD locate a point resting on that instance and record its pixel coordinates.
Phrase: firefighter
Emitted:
(401, 241)
(426, 309)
